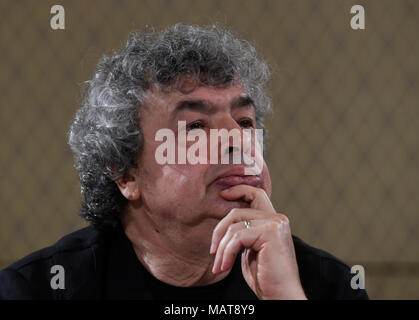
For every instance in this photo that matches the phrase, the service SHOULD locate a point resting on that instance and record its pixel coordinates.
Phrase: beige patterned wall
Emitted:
(343, 148)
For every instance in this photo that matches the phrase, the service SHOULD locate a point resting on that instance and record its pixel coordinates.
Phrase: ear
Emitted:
(129, 185)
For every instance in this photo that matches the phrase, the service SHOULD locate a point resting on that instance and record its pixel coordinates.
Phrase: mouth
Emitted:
(236, 176)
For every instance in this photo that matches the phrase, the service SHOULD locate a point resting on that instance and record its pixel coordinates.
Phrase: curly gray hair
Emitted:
(105, 136)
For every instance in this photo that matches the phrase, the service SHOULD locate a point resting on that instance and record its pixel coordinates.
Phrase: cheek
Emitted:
(267, 184)
(173, 175)
(180, 180)
(168, 181)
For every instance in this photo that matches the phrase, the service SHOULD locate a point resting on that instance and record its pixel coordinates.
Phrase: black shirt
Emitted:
(103, 265)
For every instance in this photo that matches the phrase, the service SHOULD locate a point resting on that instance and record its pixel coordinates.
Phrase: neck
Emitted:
(179, 258)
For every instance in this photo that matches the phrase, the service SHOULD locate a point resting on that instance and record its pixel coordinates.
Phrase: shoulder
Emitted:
(324, 276)
(30, 277)
(72, 243)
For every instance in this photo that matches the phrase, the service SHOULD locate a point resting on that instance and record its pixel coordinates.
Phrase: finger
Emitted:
(235, 215)
(251, 238)
(262, 230)
(257, 197)
(231, 231)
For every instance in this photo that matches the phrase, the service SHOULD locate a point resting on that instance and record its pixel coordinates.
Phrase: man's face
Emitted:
(186, 195)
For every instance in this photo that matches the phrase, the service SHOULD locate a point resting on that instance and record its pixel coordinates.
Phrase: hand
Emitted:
(268, 261)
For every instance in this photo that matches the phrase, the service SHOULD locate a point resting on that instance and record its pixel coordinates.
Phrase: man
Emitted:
(181, 230)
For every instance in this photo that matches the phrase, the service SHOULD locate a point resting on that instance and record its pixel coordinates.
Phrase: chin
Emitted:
(224, 208)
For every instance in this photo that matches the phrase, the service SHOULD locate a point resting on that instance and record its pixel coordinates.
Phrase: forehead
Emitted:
(158, 99)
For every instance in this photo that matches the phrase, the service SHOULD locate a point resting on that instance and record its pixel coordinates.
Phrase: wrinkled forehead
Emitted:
(167, 98)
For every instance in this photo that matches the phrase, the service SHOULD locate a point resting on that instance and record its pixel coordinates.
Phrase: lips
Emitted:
(236, 176)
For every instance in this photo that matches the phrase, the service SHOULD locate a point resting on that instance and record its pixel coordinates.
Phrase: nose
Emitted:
(231, 144)
(229, 141)
(226, 121)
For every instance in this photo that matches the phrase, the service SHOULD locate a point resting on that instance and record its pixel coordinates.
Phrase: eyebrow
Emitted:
(206, 106)
(242, 101)
(199, 105)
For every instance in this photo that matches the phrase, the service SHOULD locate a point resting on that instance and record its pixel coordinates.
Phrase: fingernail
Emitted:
(212, 248)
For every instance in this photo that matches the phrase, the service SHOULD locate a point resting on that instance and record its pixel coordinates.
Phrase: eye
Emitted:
(246, 123)
(195, 125)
